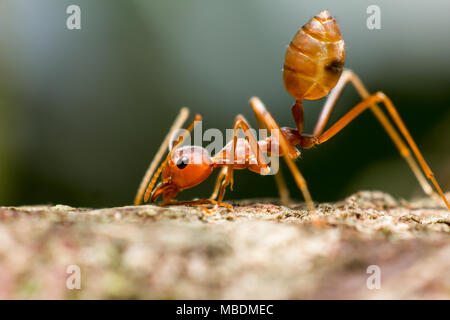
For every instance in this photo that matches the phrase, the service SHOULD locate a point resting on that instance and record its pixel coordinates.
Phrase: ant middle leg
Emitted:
(287, 149)
(282, 188)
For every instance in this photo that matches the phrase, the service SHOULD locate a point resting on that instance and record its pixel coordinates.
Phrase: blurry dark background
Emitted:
(82, 112)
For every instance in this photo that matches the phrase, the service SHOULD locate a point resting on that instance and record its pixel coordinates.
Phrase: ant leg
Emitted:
(364, 105)
(287, 149)
(228, 179)
(178, 123)
(193, 203)
(219, 180)
(180, 139)
(349, 77)
(239, 123)
(255, 150)
(282, 187)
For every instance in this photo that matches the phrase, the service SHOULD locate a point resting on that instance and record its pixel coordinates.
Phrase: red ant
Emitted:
(313, 67)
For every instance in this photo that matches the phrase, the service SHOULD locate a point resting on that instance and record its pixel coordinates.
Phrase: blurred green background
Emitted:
(82, 112)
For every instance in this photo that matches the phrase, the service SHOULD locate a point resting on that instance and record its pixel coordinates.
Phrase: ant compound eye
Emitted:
(182, 162)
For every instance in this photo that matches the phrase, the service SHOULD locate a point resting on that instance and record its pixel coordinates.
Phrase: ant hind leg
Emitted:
(368, 103)
(349, 77)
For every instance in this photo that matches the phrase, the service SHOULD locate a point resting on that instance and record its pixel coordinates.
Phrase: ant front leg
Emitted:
(228, 158)
(219, 180)
(177, 124)
(283, 190)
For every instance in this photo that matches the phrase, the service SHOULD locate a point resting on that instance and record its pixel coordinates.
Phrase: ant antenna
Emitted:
(177, 124)
(177, 143)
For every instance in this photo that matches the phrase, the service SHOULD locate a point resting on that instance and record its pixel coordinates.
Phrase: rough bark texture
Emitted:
(258, 250)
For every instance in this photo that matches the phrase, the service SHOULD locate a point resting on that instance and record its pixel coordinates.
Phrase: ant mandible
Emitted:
(313, 67)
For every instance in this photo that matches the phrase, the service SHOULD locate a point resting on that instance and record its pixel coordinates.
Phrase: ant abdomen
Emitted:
(314, 59)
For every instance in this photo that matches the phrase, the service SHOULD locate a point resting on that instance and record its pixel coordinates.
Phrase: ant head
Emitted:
(187, 167)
